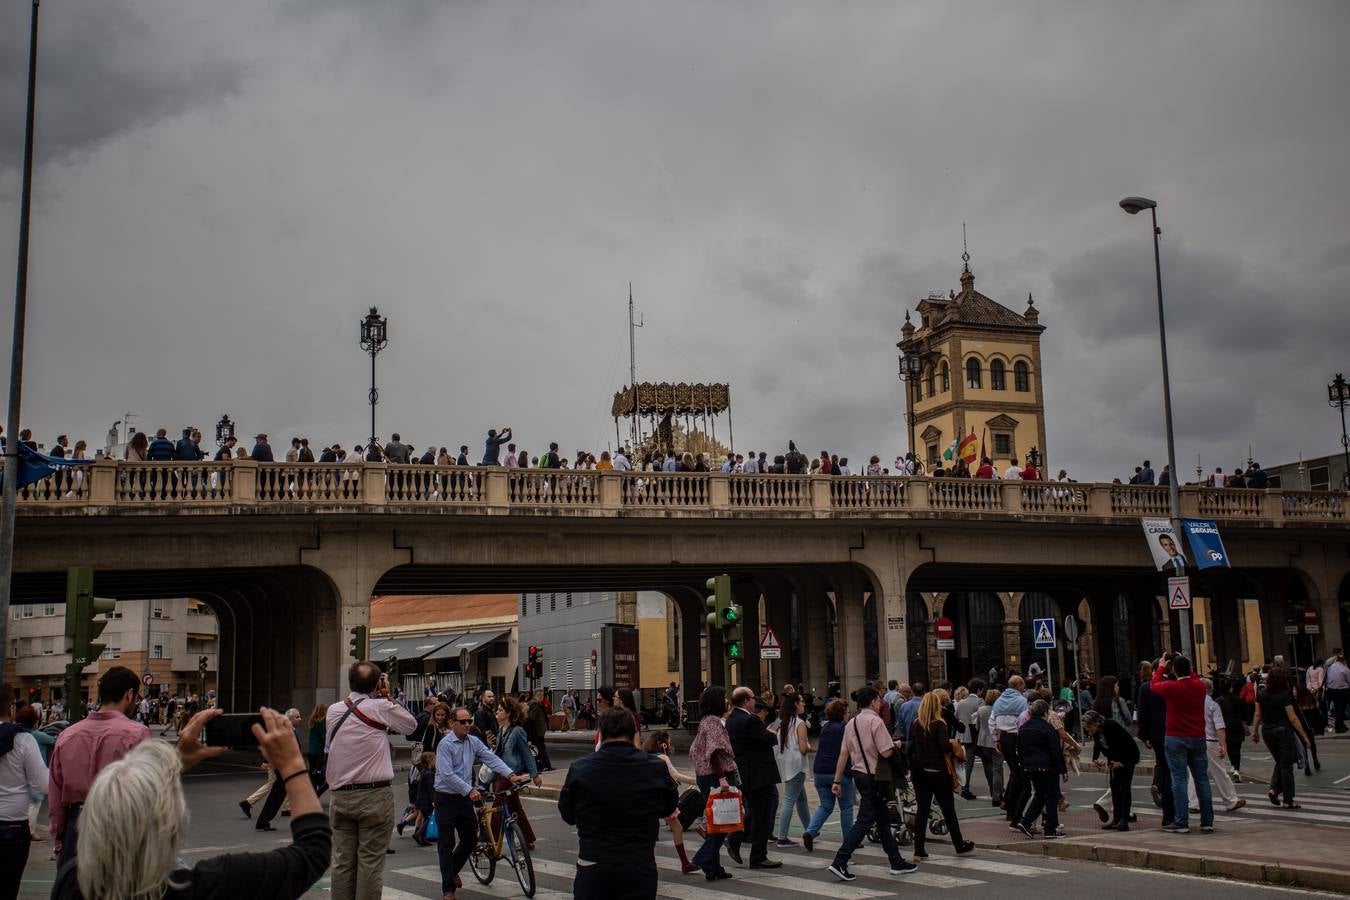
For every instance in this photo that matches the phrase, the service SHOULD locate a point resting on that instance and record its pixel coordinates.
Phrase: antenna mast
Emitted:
(633, 326)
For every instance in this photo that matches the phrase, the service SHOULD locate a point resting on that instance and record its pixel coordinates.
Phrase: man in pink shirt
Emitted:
(85, 748)
(361, 774)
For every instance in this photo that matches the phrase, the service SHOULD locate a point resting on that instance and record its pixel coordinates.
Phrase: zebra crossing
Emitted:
(802, 875)
(1323, 806)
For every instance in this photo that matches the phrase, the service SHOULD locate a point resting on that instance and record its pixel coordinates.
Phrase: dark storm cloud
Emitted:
(105, 68)
(780, 182)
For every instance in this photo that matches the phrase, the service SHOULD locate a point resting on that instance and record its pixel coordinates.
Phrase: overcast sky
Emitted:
(223, 189)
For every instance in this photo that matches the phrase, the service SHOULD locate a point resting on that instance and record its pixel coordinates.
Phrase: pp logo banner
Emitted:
(1206, 546)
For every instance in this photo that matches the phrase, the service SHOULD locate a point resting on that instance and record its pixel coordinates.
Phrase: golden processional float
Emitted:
(670, 408)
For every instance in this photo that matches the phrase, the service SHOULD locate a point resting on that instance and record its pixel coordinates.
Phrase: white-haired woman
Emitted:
(135, 816)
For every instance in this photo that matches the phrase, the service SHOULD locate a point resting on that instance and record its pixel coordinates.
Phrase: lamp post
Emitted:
(224, 430)
(9, 497)
(1338, 395)
(1133, 206)
(911, 364)
(374, 337)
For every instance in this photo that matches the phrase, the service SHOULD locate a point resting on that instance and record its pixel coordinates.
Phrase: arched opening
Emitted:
(973, 379)
(1037, 605)
(1021, 376)
(978, 617)
(932, 381)
(997, 376)
(946, 377)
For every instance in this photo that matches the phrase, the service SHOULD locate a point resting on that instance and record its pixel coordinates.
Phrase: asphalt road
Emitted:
(217, 827)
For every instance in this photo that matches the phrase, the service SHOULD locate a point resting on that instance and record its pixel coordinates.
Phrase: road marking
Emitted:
(768, 879)
(503, 885)
(1298, 814)
(975, 864)
(1341, 779)
(392, 893)
(926, 879)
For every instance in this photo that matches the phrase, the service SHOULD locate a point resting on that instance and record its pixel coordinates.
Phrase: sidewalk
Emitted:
(1240, 849)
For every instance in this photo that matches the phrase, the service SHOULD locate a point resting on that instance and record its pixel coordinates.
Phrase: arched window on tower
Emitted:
(932, 381)
(1021, 376)
(973, 373)
(997, 381)
(946, 377)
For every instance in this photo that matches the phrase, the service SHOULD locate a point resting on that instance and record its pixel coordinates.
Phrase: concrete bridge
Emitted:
(852, 569)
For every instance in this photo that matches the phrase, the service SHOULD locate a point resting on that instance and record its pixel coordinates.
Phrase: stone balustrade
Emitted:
(116, 486)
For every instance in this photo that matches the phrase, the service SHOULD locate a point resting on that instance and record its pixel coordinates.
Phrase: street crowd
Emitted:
(889, 763)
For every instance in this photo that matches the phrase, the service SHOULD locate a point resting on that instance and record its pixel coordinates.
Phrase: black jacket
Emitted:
(282, 874)
(1116, 744)
(752, 743)
(1152, 716)
(617, 797)
(1039, 747)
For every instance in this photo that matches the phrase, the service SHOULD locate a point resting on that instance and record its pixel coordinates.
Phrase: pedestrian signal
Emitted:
(356, 647)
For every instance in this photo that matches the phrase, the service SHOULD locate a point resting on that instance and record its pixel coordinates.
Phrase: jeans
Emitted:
(362, 821)
(14, 842)
(457, 832)
(871, 810)
(70, 838)
(930, 786)
(1340, 699)
(1280, 740)
(826, 806)
(1162, 777)
(1188, 755)
(708, 857)
(794, 796)
(993, 769)
(629, 880)
(1015, 794)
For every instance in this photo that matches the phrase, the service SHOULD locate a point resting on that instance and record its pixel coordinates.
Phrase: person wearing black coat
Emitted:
(1042, 756)
(752, 744)
(1110, 739)
(1151, 714)
(617, 797)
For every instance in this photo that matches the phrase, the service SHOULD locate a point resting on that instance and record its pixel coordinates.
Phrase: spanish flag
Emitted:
(969, 448)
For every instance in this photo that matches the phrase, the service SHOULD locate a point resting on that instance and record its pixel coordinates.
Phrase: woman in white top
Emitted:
(790, 751)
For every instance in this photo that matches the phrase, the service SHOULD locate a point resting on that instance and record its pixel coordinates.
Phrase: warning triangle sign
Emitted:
(770, 640)
(1043, 636)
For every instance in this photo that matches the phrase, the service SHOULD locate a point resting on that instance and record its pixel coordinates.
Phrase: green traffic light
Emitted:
(732, 614)
(733, 651)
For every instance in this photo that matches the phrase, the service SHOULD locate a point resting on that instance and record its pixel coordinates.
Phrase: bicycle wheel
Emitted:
(520, 859)
(483, 862)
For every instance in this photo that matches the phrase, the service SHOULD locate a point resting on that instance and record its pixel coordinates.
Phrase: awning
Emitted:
(473, 641)
(412, 646)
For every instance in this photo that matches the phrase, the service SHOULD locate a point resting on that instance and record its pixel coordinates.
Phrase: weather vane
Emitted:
(965, 251)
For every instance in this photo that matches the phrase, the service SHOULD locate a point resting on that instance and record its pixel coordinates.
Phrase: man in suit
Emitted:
(752, 743)
(1175, 562)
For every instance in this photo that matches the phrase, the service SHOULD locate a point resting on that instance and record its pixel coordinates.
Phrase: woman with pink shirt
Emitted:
(714, 767)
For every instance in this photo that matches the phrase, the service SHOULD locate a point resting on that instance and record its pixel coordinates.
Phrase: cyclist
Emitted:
(456, 819)
(514, 749)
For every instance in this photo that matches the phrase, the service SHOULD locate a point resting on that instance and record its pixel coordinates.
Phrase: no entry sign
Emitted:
(945, 629)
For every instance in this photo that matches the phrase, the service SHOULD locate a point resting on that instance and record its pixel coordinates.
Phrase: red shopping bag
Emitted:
(724, 814)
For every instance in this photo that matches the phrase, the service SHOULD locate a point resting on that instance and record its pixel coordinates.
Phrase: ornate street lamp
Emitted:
(1338, 396)
(224, 430)
(911, 363)
(374, 337)
(1034, 457)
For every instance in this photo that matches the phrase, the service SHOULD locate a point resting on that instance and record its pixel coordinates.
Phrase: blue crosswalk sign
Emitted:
(1044, 629)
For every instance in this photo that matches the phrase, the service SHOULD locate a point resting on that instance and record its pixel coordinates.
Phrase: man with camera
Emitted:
(361, 775)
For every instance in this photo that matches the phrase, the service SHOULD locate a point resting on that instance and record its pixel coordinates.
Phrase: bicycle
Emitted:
(504, 842)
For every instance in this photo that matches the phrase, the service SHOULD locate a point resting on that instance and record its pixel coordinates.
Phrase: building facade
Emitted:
(449, 643)
(1326, 473)
(165, 639)
(979, 373)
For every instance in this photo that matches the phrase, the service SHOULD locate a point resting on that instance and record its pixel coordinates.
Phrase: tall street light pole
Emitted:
(1133, 206)
(374, 337)
(1338, 395)
(10, 495)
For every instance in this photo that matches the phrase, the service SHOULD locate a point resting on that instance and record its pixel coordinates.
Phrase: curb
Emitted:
(1308, 877)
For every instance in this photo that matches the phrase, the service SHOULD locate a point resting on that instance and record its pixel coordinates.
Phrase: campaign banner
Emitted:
(1162, 543)
(1206, 545)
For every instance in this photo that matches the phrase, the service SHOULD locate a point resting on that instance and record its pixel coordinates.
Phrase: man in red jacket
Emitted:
(1185, 740)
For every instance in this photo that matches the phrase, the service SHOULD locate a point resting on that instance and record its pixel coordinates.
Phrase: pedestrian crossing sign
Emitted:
(1044, 629)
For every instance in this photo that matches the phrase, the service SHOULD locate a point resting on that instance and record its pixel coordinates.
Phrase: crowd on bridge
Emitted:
(890, 763)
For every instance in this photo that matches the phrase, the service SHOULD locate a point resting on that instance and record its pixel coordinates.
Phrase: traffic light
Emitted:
(202, 662)
(534, 667)
(356, 647)
(719, 601)
(391, 669)
(732, 634)
(83, 627)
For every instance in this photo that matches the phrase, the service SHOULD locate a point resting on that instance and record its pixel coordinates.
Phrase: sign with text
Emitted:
(1162, 543)
(1206, 546)
(769, 648)
(619, 656)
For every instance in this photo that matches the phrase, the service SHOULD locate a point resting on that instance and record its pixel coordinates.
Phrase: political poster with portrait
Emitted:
(1163, 544)
(1206, 545)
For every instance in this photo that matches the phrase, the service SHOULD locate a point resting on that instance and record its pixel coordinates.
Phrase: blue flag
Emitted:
(35, 466)
(1206, 545)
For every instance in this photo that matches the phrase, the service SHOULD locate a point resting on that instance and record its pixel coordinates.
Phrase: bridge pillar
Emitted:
(353, 562)
(1012, 631)
(851, 654)
(812, 601)
(888, 556)
(747, 598)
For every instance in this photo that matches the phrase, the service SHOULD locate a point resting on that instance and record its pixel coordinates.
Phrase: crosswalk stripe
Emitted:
(973, 863)
(781, 882)
(391, 893)
(1297, 814)
(504, 885)
(818, 864)
(927, 879)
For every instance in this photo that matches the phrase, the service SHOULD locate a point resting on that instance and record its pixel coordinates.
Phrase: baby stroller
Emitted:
(904, 809)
